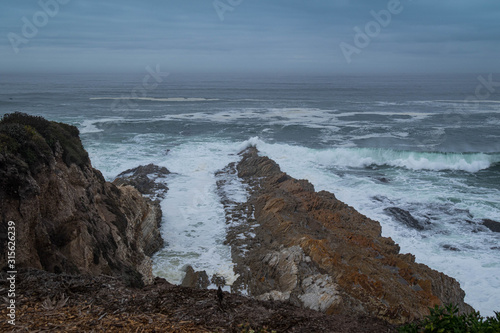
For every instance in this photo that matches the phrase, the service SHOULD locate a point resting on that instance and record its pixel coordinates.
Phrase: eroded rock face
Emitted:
(315, 251)
(69, 219)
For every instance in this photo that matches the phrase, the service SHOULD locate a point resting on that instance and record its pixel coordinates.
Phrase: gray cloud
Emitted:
(258, 35)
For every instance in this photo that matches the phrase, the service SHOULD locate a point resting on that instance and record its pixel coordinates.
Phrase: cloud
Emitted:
(289, 36)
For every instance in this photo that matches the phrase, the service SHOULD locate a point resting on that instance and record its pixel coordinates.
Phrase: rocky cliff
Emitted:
(294, 244)
(67, 217)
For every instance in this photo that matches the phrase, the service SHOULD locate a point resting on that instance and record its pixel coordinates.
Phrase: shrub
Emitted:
(446, 319)
(30, 136)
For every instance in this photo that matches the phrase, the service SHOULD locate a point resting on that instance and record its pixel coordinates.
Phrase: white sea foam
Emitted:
(470, 101)
(89, 125)
(364, 157)
(308, 117)
(169, 99)
(194, 224)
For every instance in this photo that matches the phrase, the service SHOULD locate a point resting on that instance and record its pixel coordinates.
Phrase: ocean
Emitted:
(428, 144)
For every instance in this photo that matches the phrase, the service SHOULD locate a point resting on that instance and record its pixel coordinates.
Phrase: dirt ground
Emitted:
(47, 302)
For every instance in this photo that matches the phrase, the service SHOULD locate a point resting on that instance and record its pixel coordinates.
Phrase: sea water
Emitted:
(425, 144)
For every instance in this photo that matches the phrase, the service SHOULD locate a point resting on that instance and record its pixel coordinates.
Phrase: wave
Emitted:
(366, 157)
(469, 101)
(89, 125)
(170, 99)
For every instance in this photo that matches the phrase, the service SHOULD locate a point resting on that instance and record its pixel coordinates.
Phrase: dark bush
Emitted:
(30, 136)
(446, 319)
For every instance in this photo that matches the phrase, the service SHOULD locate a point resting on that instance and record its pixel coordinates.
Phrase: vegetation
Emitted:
(35, 139)
(446, 319)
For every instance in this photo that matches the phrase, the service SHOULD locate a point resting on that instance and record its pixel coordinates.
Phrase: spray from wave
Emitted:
(366, 157)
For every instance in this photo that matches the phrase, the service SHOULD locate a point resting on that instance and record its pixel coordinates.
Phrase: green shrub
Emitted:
(30, 136)
(446, 319)
(24, 141)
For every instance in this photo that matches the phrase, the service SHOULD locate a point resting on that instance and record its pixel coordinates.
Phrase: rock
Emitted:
(68, 218)
(146, 179)
(404, 217)
(451, 247)
(316, 252)
(195, 279)
(492, 225)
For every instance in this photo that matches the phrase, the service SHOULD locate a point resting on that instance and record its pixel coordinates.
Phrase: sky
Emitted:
(257, 36)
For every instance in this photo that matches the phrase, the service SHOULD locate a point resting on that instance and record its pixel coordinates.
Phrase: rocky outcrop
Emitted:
(311, 249)
(67, 217)
(147, 179)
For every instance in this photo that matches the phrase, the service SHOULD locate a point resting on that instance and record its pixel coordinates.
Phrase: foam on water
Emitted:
(169, 99)
(446, 202)
(89, 125)
(194, 226)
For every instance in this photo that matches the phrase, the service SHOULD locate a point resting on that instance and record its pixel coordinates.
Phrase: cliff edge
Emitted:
(68, 219)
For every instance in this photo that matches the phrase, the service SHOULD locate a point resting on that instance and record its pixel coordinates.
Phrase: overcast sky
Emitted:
(250, 36)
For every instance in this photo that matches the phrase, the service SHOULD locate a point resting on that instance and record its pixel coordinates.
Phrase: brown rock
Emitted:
(195, 279)
(67, 217)
(317, 252)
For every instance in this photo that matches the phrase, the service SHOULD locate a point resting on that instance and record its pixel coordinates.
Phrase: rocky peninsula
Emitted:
(314, 251)
(306, 261)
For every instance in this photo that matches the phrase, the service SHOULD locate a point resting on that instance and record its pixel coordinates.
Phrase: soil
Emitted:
(47, 302)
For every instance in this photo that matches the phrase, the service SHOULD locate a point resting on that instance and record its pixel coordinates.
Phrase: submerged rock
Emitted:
(68, 219)
(316, 252)
(404, 217)
(492, 225)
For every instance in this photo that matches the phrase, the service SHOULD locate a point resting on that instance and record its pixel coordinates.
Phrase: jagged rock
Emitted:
(492, 225)
(404, 217)
(195, 279)
(314, 251)
(68, 218)
(145, 179)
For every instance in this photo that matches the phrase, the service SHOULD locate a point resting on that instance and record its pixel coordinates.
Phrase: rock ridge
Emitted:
(315, 251)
